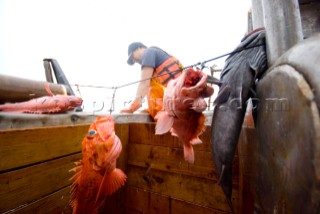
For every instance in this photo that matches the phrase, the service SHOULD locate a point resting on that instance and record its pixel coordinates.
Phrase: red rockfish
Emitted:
(184, 103)
(96, 174)
(44, 105)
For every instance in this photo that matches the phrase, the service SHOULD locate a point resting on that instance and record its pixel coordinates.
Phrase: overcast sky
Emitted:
(89, 38)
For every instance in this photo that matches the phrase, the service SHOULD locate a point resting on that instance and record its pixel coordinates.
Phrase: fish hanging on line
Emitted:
(184, 103)
(96, 175)
(44, 105)
(238, 79)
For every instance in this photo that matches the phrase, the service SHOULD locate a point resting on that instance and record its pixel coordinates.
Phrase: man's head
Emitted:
(131, 48)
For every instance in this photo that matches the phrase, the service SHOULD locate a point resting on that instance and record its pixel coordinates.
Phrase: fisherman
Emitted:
(157, 69)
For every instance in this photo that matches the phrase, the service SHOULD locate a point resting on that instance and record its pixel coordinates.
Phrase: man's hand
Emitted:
(126, 110)
(135, 105)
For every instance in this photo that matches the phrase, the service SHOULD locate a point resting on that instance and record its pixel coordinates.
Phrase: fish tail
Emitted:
(223, 169)
(225, 181)
(111, 182)
(188, 153)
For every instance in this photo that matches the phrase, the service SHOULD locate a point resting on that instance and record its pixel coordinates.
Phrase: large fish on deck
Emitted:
(96, 174)
(238, 78)
(44, 105)
(183, 106)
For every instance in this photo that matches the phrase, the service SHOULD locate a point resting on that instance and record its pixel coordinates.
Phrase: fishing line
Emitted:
(190, 66)
(194, 65)
(112, 100)
(202, 64)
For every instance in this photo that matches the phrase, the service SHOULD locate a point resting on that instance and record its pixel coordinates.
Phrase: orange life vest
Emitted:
(168, 70)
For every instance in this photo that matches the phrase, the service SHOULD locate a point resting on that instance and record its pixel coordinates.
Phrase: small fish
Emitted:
(44, 105)
(96, 175)
(238, 78)
(183, 106)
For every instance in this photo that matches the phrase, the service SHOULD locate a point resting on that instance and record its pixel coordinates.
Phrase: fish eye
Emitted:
(91, 133)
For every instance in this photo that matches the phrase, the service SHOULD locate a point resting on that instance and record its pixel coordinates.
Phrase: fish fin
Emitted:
(47, 87)
(75, 183)
(196, 141)
(223, 95)
(188, 153)
(230, 204)
(110, 183)
(208, 91)
(213, 80)
(174, 132)
(222, 173)
(225, 181)
(164, 122)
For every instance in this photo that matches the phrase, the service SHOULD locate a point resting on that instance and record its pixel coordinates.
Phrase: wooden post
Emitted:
(283, 26)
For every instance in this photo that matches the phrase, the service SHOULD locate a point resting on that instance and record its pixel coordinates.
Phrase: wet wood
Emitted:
(156, 164)
(178, 207)
(57, 202)
(171, 160)
(279, 163)
(20, 187)
(23, 147)
(158, 176)
(145, 134)
(200, 191)
(142, 201)
(288, 127)
(16, 89)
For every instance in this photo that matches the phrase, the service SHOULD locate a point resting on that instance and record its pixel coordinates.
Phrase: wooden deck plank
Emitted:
(58, 202)
(137, 199)
(27, 146)
(145, 134)
(31, 183)
(143, 201)
(178, 207)
(200, 191)
(171, 160)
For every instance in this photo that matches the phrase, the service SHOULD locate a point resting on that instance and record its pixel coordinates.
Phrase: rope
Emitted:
(190, 66)
(138, 81)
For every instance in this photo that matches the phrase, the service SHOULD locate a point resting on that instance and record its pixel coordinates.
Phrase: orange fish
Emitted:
(184, 103)
(96, 174)
(44, 105)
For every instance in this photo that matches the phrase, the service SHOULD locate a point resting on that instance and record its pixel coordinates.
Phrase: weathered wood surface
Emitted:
(142, 201)
(25, 185)
(282, 172)
(35, 164)
(310, 17)
(23, 121)
(15, 89)
(57, 202)
(156, 164)
(23, 147)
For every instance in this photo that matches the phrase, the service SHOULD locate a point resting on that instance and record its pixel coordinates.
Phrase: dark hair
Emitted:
(132, 47)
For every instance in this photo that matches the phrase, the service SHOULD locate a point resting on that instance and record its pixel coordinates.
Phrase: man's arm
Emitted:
(142, 90)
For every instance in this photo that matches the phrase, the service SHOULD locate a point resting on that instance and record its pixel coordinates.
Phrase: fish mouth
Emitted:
(192, 77)
(76, 101)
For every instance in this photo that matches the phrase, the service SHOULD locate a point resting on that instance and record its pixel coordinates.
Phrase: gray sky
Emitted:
(89, 38)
